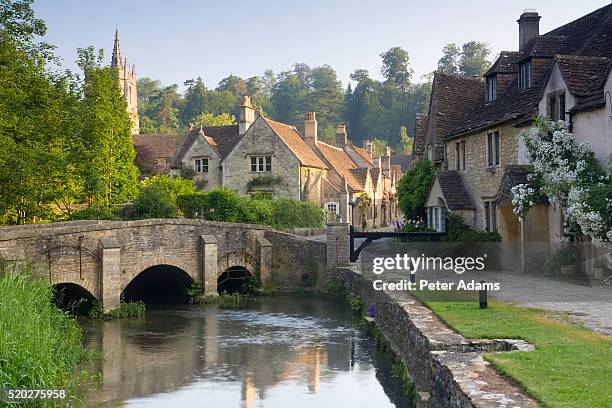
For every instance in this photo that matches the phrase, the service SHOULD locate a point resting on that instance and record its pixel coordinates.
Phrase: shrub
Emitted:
(255, 211)
(153, 202)
(296, 214)
(95, 213)
(192, 205)
(413, 189)
(459, 231)
(223, 205)
(173, 186)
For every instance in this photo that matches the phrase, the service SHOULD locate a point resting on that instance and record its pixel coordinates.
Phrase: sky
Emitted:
(182, 39)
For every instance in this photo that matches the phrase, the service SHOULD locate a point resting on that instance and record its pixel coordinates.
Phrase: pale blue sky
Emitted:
(181, 39)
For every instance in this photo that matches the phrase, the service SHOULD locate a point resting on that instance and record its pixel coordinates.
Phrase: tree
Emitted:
(147, 88)
(208, 119)
(474, 58)
(396, 67)
(449, 63)
(105, 142)
(405, 141)
(288, 97)
(413, 189)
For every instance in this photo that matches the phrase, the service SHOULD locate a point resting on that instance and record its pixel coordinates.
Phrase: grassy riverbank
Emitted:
(570, 367)
(40, 346)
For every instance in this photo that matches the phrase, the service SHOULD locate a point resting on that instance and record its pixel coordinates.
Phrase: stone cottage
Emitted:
(564, 74)
(263, 157)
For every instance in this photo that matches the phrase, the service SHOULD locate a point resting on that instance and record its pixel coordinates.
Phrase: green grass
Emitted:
(40, 346)
(570, 367)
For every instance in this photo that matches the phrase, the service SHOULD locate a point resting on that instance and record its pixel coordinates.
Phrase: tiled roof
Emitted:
(455, 194)
(363, 153)
(513, 175)
(344, 166)
(402, 160)
(451, 97)
(222, 138)
(587, 36)
(506, 63)
(296, 144)
(420, 135)
(585, 78)
(160, 146)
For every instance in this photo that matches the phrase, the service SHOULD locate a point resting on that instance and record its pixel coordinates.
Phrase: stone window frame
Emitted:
(203, 164)
(490, 214)
(556, 100)
(493, 148)
(260, 163)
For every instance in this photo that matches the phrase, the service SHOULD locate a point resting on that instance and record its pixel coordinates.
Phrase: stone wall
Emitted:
(483, 182)
(296, 262)
(260, 140)
(447, 369)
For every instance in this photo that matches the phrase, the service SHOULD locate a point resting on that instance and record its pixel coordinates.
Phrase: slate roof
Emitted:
(222, 138)
(340, 161)
(588, 36)
(451, 98)
(506, 63)
(363, 153)
(453, 188)
(160, 146)
(296, 144)
(402, 160)
(513, 175)
(420, 135)
(585, 78)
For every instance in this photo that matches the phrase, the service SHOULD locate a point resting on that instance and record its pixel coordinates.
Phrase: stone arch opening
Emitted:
(232, 279)
(73, 298)
(159, 284)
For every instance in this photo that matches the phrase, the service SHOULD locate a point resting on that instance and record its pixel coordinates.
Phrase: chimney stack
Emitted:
(529, 26)
(247, 115)
(341, 138)
(386, 160)
(369, 146)
(310, 129)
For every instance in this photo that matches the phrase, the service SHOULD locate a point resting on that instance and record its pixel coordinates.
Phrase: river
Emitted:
(280, 351)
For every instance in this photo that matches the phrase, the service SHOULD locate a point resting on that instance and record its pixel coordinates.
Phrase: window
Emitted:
(525, 75)
(556, 106)
(200, 165)
(493, 149)
(490, 216)
(463, 157)
(435, 218)
(261, 163)
(491, 88)
(460, 158)
(429, 152)
(331, 207)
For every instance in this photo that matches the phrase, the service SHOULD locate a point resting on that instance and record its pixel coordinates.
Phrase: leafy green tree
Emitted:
(208, 119)
(147, 88)
(288, 98)
(474, 58)
(396, 67)
(105, 142)
(153, 202)
(413, 189)
(449, 63)
(405, 141)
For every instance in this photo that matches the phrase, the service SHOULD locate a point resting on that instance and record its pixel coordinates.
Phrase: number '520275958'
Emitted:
(26, 394)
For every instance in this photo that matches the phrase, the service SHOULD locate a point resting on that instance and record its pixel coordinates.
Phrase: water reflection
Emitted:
(278, 352)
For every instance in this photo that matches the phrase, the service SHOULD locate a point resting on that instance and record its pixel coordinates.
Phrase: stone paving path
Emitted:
(590, 306)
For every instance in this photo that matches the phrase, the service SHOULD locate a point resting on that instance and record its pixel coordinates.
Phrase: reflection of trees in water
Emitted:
(174, 348)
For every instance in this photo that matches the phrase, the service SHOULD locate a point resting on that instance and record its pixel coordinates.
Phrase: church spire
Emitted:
(116, 59)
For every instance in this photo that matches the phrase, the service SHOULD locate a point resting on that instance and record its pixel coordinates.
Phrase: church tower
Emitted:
(127, 83)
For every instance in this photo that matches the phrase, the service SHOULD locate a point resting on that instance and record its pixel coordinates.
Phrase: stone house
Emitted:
(154, 152)
(564, 74)
(272, 159)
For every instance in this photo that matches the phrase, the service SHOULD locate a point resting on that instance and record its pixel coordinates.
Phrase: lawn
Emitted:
(570, 367)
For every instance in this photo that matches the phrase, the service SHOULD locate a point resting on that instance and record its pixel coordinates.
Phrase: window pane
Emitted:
(205, 165)
(497, 148)
(463, 158)
(487, 215)
(562, 106)
(197, 166)
(268, 163)
(457, 157)
(260, 164)
(490, 149)
(253, 164)
(493, 216)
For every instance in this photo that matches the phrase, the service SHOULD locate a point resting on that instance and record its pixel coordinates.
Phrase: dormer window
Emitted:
(556, 106)
(525, 75)
(491, 88)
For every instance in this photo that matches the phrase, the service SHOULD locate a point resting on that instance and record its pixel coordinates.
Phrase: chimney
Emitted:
(529, 26)
(247, 115)
(369, 146)
(377, 163)
(341, 138)
(386, 160)
(310, 129)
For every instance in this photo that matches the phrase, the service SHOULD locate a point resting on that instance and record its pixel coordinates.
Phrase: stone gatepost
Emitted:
(110, 273)
(338, 241)
(208, 271)
(264, 258)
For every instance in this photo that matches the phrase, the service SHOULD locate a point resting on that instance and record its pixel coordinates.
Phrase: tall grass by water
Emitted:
(40, 345)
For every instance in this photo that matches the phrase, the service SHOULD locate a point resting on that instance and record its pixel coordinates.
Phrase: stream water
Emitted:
(281, 351)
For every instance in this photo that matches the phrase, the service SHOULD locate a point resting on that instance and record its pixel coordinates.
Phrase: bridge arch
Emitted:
(73, 297)
(232, 279)
(161, 283)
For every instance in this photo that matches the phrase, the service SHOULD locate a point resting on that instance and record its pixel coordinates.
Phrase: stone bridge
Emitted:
(104, 257)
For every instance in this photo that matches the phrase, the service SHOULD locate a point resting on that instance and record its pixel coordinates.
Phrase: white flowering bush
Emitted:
(567, 173)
